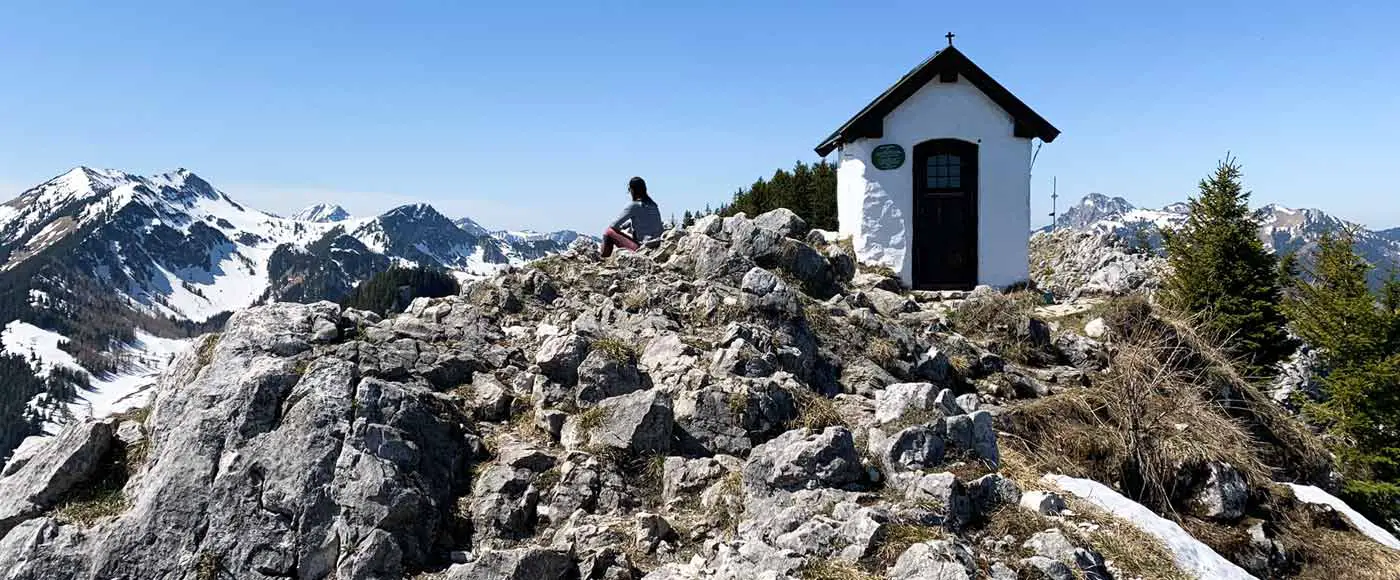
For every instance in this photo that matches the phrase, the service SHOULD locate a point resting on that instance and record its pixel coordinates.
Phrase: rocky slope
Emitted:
(740, 403)
(100, 268)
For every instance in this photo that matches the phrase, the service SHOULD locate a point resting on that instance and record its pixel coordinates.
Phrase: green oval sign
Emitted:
(888, 156)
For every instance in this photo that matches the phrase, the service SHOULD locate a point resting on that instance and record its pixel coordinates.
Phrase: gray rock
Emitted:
(783, 221)
(890, 304)
(1297, 380)
(804, 459)
(898, 401)
(551, 421)
(984, 438)
(742, 359)
(934, 560)
(602, 375)
(863, 377)
(559, 357)
(131, 433)
(709, 225)
(1046, 568)
(275, 473)
(864, 531)
(1096, 328)
(639, 422)
(66, 461)
(912, 449)
(1046, 503)
(1001, 571)
(945, 403)
(649, 530)
(489, 400)
(815, 537)
(685, 478)
(516, 564)
(943, 489)
(759, 281)
(1082, 352)
(730, 418)
(1222, 495)
(933, 365)
(967, 402)
(992, 491)
(1051, 544)
(324, 331)
(503, 503)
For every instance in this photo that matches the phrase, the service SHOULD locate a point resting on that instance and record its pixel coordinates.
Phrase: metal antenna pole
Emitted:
(1054, 198)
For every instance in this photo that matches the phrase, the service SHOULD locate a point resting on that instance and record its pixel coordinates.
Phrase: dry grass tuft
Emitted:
(139, 415)
(882, 351)
(93, 507)
(833, 570)
(1004, 320)
(1135, 552)
(1150, 415)
(899, 537)
(730, 510)
(207, 566)
(616, 350)
(204, 353)
(1325, 546)
(592, 418)
(1296, 453)
(815, 412)
(1015, 521)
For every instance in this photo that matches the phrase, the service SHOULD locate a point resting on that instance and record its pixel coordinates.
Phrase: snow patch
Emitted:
(146, 358)
(1310, 494)
(40, 347)
(1190, 555)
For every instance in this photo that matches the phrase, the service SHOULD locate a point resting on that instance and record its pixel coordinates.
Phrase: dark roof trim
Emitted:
(869, 122)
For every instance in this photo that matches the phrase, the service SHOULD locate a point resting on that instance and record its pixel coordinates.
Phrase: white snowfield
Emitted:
(110, 393)
(1310, 494)
(1191, 556)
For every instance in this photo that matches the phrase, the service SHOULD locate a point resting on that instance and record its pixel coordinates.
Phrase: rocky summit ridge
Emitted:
(742, 402)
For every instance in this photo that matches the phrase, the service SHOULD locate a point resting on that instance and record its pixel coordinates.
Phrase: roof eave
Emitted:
(869, 122)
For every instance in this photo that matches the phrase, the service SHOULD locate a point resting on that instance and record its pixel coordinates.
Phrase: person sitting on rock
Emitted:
(641, 216)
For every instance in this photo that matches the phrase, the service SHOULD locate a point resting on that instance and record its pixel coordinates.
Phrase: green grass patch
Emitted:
(616, 350)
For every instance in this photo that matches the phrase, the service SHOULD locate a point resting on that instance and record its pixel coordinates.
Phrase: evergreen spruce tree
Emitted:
(1355, 335)
(1221, 271)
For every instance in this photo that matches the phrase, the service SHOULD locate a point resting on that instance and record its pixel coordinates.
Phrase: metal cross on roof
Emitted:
(950, 36)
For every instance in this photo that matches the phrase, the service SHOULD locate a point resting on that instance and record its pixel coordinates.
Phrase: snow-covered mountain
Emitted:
(103, 272)
(470, 226)
(1282, 229)
(322, 213)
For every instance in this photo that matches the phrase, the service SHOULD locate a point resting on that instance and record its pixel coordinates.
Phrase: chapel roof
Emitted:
(946, 65)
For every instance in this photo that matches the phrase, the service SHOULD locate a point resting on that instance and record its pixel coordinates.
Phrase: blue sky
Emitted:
(534, 114)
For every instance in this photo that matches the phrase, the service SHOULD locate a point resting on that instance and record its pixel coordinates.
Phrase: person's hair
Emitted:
(638, 188)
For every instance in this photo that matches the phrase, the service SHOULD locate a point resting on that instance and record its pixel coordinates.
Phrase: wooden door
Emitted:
(945, 215)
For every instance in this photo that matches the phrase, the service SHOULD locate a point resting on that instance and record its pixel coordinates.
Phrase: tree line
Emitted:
(391, 291)
(809, 190)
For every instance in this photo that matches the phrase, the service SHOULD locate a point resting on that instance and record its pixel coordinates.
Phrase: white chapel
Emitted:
(934, 177)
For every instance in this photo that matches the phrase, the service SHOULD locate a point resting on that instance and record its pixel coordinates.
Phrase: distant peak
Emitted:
(322, 213)
(414, 209)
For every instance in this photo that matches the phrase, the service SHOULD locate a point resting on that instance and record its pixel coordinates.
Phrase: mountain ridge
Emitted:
(91, 258)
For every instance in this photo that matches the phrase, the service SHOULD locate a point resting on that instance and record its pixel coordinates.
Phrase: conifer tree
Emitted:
(1356, 338)
(1221, 271)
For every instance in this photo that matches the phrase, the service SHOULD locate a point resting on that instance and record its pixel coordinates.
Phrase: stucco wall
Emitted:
(875, 206)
